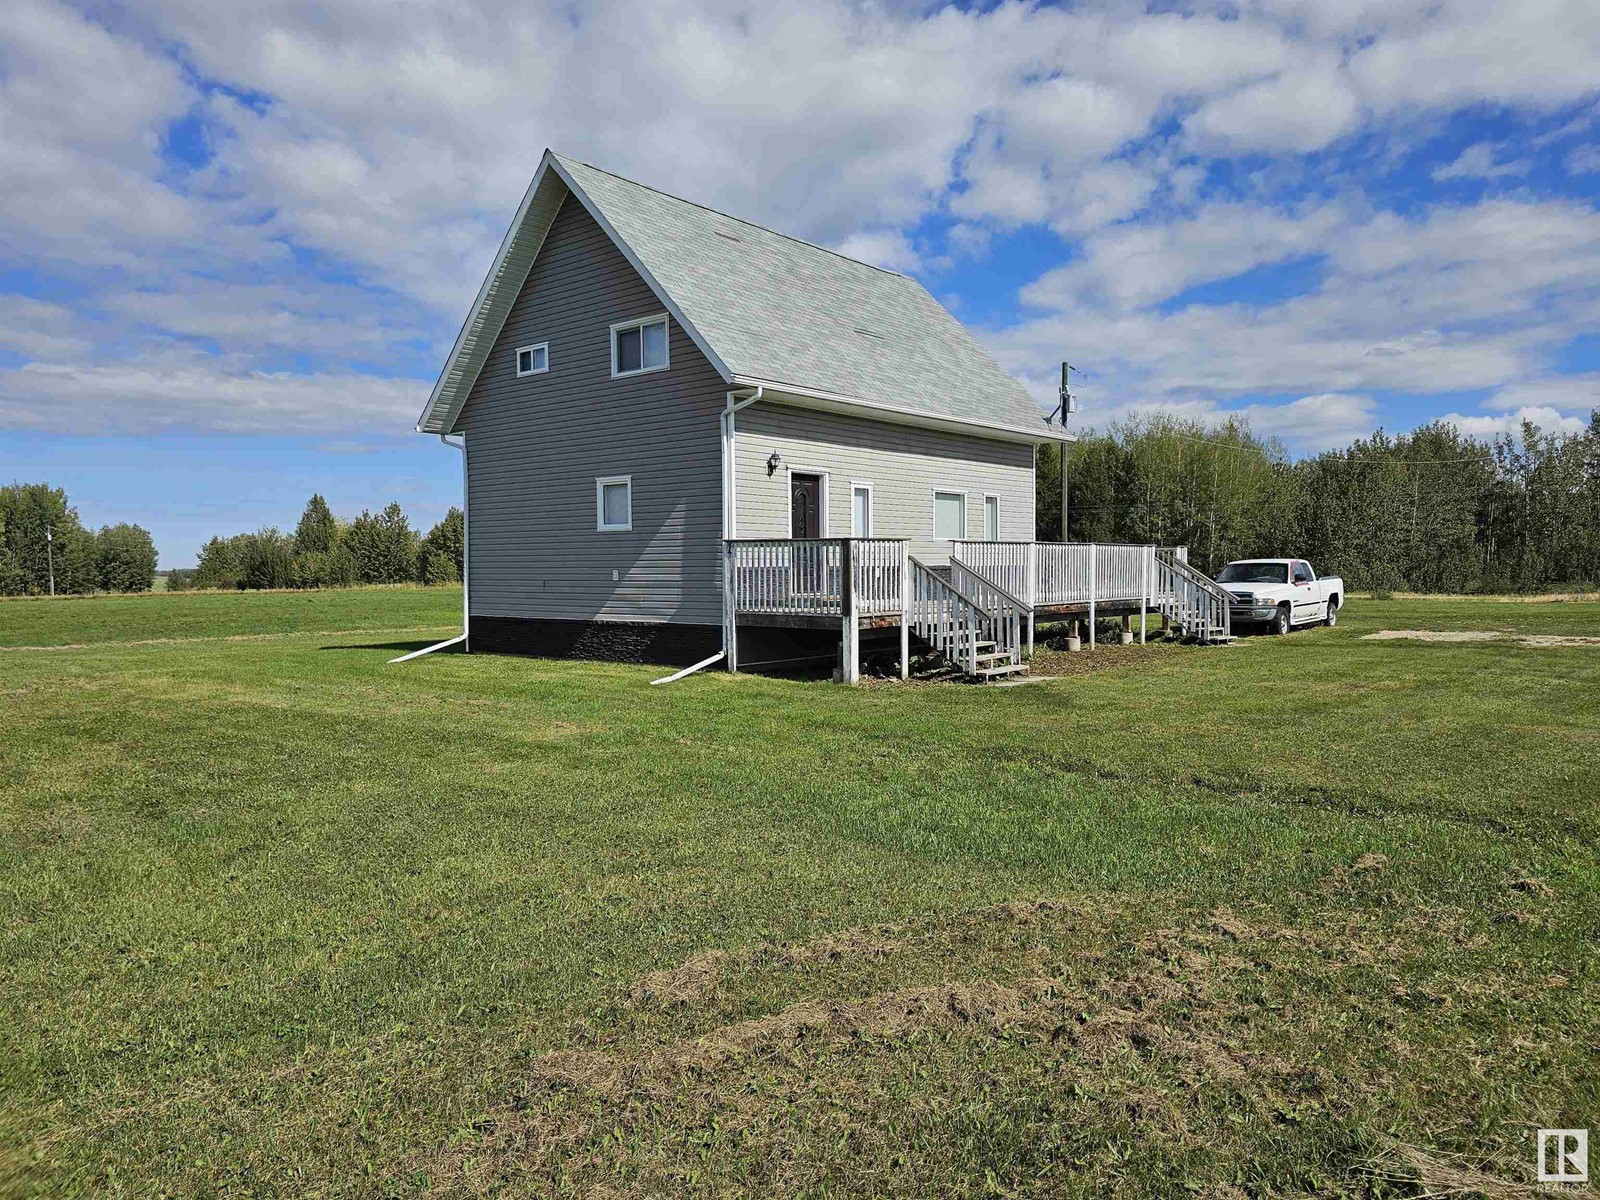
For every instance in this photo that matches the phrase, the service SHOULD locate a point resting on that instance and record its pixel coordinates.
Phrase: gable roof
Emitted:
(764, 308)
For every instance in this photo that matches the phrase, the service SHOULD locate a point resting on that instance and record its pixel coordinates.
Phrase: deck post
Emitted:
(1144, 600)
(1092, 557)
(852, 628)
(730, 614)
(905, 610)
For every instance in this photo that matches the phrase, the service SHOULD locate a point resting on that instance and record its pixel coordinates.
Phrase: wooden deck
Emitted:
(978, 611)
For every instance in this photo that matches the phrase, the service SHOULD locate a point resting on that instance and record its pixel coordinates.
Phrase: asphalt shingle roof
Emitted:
(784, 311)
(769, 308)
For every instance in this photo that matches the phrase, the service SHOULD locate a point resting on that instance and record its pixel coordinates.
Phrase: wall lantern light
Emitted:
(773, 463)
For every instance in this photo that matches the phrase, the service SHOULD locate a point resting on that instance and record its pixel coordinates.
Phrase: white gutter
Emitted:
(466, 562)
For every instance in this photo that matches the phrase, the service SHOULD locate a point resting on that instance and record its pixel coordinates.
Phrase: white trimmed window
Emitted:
(533, 360)
(949, 515)
(861, 510)
(613, 503)
(991, 518)
(639, 346)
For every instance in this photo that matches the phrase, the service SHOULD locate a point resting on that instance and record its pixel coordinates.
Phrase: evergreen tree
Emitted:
(384, 546)
(318, 531)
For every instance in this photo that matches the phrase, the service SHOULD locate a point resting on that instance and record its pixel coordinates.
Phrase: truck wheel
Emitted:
(1280, 623)
(1333, 611)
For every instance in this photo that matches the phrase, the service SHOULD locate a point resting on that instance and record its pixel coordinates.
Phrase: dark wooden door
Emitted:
(805, 500)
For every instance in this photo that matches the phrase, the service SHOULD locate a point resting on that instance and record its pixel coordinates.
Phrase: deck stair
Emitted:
(972, 624)
(1195, 606)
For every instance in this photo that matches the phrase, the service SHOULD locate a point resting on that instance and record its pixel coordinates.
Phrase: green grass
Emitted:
(78, 620)
(1308, 915)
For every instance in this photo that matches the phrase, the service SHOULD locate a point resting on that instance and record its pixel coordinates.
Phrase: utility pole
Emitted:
(50, 556)
(1068, 406)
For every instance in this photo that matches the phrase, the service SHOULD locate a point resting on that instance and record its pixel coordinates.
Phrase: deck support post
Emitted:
(851, 665)
(730, 614)
(1144, 599)
(1092, 557)
(905, 610)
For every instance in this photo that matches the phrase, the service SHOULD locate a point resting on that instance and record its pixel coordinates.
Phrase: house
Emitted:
(685, 436)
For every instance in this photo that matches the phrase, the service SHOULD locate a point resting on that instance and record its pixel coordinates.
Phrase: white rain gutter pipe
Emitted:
(730, 518)
(466, 555)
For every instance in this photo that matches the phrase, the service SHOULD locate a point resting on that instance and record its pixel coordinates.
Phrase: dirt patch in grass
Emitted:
(1013, 1049)
(1534, 640)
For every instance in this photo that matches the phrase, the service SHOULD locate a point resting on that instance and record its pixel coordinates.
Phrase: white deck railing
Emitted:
(1044, 573)
(807, 576)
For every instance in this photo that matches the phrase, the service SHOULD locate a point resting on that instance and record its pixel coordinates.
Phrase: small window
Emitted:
(861, 510)
(613, 503)
(639, 346)
(991, 518)
(1302, 572)
(949, 515)
(533, 360)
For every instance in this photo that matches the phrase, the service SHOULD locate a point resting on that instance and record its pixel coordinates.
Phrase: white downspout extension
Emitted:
(466, 555)
(730, 529)
(730, 515)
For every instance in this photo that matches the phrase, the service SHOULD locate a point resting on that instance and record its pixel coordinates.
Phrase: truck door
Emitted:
(1305, 601)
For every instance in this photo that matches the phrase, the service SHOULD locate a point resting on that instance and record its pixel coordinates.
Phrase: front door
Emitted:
(805, 506)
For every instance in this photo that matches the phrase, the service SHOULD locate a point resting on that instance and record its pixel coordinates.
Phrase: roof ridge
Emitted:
(730, 217)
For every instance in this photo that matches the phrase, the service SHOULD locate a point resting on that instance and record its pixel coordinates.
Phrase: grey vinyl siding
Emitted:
(536, 445)
(905, 465)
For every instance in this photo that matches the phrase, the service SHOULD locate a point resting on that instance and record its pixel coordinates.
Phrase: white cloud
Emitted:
(1303, 108)
(1478, 161)
(1574, 395)
(195, 395)
(389, 153)
(1547, 419)
(882, 248)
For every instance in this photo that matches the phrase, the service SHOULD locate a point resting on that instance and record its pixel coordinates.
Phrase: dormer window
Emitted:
(533, 360)
(639, 346)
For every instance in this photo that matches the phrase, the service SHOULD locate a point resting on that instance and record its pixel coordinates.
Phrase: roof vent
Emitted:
(871, 333)
(731, 237)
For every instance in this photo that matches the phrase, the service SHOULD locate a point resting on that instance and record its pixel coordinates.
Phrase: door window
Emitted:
(1302, 573)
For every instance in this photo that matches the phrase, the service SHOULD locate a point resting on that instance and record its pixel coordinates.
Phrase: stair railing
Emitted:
(1198, 603)
(950, 621)
(1010, 611)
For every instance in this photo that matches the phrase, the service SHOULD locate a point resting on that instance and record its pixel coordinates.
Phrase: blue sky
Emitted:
(236, 243)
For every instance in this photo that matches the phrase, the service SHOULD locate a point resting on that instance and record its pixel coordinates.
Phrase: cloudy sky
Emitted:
(236, 241)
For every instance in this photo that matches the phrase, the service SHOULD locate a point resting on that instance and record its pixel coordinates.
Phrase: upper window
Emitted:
(639, 346)
(861, 510)
(950, 515)
(533, 360)
(613, 503)
(991, 518)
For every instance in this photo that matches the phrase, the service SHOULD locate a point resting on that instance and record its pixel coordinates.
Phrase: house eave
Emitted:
(802, 397)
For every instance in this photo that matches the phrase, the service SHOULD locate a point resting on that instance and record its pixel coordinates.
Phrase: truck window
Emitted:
(1254, 572)
(1302, 572)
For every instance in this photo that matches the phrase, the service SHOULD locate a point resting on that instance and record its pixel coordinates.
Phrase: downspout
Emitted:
(466, 561)
(730, 527)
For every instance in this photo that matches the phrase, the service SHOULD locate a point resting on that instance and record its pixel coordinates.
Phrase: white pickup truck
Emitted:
(1280, 593)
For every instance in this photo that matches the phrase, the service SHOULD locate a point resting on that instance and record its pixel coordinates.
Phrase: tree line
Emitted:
(44, 547)
(1432, 510)
(325, 552)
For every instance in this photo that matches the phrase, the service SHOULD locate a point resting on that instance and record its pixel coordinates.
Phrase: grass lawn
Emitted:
(1302, 916)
